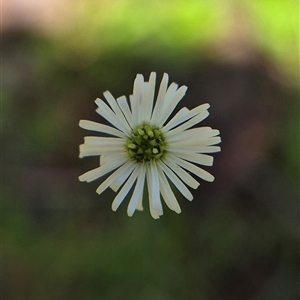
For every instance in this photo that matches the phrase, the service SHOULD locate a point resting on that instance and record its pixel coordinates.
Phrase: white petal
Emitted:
(153, 212)
(199, 109)
(211, 141)
(198, 158)
(195, 120)
(103, 141)
(108, 114)
(85, 150)
(117, 183)
(196, 149)
(160, 100)
(138, 191)
(153, 188)
(182, 174)
(91, 150)
(194, 141)
(179, 118)
(171, 91)
(143, 105)
(148, 97)
(165, 109)
(140, 203)
(194, 169)
(102, 170)
(177, 182)
(192, 134)
(172, 104)
(107, 157)
(93, 126)
(115, 107)
(103, 148)
(123, 172)
(136, 97)
(125, 189)
(190, 114)
(215, 132)
(122, 102)
(167, 192)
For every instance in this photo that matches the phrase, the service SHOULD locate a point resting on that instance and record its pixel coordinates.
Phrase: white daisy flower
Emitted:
(146, 147)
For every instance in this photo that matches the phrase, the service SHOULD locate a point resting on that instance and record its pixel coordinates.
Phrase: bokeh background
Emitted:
(239, 238)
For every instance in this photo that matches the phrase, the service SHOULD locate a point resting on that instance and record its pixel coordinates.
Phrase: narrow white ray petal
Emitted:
(182, 174)
(148, 97)
(195, 120)
(138, 191)
(143, 103)
(140, 203)
(155, 188)
(179, 118)
(104, 141)
(172, 104)
(152, 194)
(198, 158)
(193, 134)
(194, 112)
(107, 157)
(171, 91)
(102, 170)
(135, 99)
(201, 141)
(199, 109)
(177, 182)
(194, 169)
(93, 126)
(208, 142)
(122, 102)
(88, 150)
(196, 140)
(108, 114)
(167, 192)
(85, 151)
(134, 114)
(215, 132)
(118, 182)
(160, 99)
(115, 107)
(107, 146)
(198, 149)
(125, 189)
(154, 214)
(123, 172)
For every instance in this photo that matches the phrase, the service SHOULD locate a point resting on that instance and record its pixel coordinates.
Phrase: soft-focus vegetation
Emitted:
(238, 239)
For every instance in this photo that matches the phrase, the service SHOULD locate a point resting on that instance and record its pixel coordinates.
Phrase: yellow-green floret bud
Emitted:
(146, 143)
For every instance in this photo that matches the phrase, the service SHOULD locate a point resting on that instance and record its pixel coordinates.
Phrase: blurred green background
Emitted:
(239, 238)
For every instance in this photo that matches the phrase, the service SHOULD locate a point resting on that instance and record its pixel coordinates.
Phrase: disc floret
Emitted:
(146, 143)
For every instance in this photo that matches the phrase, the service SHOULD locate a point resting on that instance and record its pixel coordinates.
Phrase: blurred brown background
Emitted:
(239, 238)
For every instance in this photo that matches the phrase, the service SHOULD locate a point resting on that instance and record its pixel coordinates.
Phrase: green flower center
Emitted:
(146, 143)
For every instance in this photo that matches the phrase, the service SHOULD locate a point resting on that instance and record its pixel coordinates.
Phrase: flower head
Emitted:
(147, 147)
